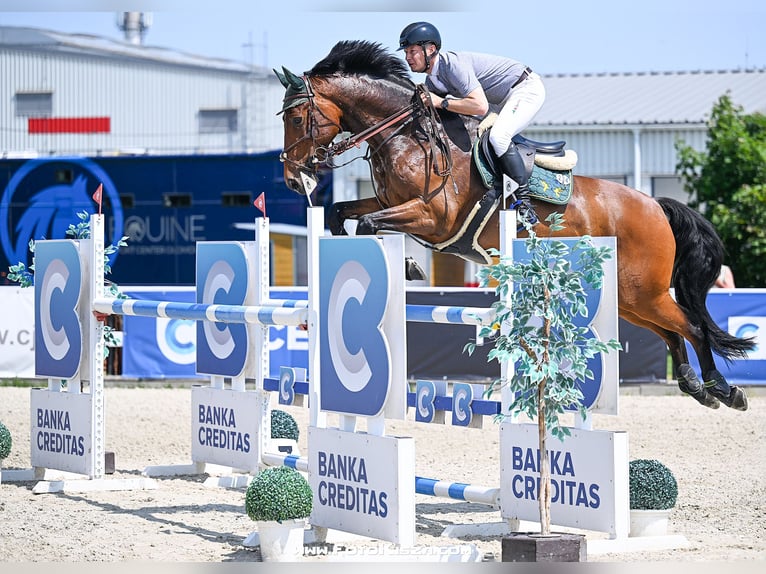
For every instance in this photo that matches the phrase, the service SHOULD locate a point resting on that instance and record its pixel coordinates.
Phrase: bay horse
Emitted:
(427, 184)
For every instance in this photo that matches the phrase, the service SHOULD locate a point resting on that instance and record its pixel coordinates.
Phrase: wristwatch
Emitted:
(445, 104)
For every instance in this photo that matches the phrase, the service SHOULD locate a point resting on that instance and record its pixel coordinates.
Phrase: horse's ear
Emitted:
(281, 77)
(296, 81)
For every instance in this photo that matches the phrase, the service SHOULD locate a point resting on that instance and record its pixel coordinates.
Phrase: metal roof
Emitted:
(597, 100)
(654, 98)
(86, 44)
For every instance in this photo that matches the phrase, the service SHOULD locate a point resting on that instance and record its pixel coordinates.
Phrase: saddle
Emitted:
(549, 167)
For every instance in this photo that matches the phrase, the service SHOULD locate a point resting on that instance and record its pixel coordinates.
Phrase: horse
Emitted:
(429, 184)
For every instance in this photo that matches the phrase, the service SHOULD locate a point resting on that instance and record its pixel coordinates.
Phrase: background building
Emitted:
(84, 95)
(67, 94)
(190, 141)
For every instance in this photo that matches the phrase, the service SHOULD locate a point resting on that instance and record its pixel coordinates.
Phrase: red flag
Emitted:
(260, 203)
(97, 196)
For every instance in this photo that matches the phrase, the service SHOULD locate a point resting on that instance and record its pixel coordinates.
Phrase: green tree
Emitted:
(727, 184)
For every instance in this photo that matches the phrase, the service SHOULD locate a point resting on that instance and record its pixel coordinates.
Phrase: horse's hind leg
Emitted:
(687, 379)
(666, 318)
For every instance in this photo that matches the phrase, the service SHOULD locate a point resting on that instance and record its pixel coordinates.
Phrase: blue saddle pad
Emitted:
(544, 184)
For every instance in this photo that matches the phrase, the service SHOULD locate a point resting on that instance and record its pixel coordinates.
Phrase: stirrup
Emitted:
(523, 206)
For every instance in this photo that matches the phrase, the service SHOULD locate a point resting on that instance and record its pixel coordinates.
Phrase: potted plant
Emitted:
(279, 499)
(284, 432)
(535, 330)
(653, 494)
(5, 445)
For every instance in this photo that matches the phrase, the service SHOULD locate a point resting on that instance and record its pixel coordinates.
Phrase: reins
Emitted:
(420, 106)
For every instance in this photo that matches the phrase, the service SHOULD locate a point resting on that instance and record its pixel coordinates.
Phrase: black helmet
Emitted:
(419, 33)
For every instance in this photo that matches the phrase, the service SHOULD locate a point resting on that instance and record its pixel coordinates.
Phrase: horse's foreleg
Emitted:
(344, 210)
(413, 217)
(373, 219)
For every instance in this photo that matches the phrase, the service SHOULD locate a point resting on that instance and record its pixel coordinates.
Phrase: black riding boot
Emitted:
(513, 165)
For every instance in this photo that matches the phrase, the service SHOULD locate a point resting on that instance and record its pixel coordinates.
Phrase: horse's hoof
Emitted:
(702, 397)
(737, 399)
(690, 384)
(730, 395)
(413, 271)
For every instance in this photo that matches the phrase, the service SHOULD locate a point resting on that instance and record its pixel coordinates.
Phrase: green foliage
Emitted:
(652, 485)
(25, 277)
(5, 441)
(726, 183)
(539, 300)
(283, 425)
(278, 493)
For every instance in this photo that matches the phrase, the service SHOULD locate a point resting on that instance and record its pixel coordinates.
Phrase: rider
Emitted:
(474, 84)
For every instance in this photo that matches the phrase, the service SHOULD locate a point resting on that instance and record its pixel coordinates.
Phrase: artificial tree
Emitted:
(535, 330)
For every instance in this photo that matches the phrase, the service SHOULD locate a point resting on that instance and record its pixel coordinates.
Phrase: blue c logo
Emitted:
(58, 335)
(176, 339)
(286, 386)
(353, 293)
(425, 395)
(222, 279)
(748, 330)
(462, 395)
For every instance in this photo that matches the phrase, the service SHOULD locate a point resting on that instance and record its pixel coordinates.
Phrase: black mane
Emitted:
(360, 57)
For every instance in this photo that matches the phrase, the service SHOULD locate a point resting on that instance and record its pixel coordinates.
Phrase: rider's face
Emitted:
(416, 58)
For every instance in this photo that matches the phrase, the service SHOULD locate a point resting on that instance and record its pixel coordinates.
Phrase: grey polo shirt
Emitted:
(459, 73)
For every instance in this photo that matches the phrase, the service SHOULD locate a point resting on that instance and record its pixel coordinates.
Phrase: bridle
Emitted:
(325, 154)
(312, 132)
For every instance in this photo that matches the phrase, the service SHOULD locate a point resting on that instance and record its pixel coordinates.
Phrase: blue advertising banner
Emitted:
(157, 348)
(740, 312)
(353, 301)
(58, 336)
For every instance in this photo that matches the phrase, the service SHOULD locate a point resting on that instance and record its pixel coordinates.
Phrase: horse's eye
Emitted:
(297, 121)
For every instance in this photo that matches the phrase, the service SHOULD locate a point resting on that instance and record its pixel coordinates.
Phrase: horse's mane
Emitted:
(360, 57)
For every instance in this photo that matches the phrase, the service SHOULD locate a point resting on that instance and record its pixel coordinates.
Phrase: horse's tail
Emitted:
(699, 256)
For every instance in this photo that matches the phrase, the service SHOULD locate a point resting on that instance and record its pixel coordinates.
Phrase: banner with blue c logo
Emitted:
(58, 333)
(353, 299)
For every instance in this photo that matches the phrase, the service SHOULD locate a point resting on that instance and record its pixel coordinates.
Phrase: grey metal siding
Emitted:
(152, 107)
(599, 153)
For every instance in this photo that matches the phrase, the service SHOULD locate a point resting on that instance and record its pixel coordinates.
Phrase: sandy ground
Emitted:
(718, 457)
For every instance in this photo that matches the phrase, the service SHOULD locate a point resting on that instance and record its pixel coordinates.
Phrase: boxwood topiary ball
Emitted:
(278, 493)
(652, 485)
(283, 425)
(5, 441)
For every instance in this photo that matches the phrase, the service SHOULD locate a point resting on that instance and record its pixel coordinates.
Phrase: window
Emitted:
(669, 186)
(177, 200)
(34, 104)
(128, 200)
(234, 199)
(217, 121)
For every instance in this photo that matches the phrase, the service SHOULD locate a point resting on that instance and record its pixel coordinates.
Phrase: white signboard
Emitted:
(363, 484)
(17, 332)
(589, 478)
(61, 431)
(225, 427)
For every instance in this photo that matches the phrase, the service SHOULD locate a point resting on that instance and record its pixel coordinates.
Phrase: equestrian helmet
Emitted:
(420, 33)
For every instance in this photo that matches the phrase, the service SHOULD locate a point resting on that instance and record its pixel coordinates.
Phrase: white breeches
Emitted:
(526, 100)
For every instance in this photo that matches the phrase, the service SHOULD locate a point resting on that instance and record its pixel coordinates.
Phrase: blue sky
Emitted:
(553, 37)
